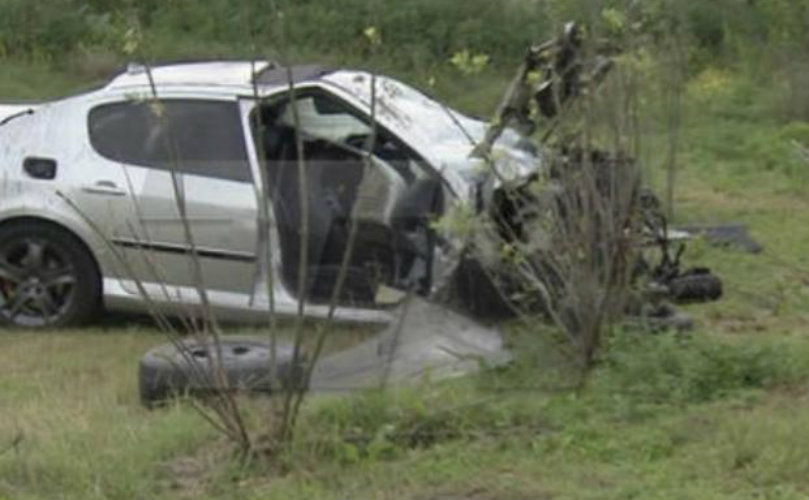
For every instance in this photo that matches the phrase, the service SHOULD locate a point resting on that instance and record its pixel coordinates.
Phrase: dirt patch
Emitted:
(191, 476)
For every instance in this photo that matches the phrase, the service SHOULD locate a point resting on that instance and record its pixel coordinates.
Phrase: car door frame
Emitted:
(286, 299)
(137, 178)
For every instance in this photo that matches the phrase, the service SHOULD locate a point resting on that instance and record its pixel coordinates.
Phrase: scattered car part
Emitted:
(725, 235)
(696, 284)
(426, 341)
(552, 73)
(187, 368)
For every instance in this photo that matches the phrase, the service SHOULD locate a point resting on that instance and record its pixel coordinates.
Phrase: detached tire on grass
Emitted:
(172, 369)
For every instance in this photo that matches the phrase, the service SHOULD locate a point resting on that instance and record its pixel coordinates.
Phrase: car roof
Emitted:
(238, 76)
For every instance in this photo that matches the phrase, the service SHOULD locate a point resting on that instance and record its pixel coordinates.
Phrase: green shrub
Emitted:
(39, 28)
(673, 369)
(384, 424)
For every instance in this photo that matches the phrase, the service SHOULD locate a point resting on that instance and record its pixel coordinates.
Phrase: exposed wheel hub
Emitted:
(37, 282)
(33, 288)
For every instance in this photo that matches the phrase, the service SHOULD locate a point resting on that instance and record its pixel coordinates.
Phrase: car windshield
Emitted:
(410, 110)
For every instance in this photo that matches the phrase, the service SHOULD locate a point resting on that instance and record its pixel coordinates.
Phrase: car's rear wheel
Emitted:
(47, 277)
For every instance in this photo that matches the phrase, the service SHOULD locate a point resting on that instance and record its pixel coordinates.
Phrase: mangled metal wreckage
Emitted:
(89, 212)
(572, 184)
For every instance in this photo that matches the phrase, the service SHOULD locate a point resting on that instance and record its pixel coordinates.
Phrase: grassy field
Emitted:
(719, 413)
(71, 415)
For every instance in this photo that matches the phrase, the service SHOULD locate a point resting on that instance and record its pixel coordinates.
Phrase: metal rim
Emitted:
(37, 282)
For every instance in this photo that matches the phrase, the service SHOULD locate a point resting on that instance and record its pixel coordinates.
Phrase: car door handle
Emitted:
(107, 188)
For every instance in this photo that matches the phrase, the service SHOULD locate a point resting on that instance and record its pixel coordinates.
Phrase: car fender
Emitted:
(51, 206)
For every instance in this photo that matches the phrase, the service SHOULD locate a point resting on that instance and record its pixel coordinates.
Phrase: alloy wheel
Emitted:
(37, 282)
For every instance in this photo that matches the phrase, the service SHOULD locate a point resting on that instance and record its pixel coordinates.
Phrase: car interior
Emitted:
(391, 195)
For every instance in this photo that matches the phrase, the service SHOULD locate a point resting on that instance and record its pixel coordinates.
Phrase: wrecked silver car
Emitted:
(247, 188)
(89, 213)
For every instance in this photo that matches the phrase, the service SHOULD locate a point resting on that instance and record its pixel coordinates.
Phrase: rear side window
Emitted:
(191, 136)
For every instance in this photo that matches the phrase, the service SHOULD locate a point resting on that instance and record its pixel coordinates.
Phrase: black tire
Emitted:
(484, 295)
(695, 286)
(47, 277)
(173, 369)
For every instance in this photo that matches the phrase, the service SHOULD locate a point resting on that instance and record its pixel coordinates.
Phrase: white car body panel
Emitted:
(8, 111)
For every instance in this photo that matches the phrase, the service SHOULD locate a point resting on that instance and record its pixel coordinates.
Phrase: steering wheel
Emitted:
(357, 141)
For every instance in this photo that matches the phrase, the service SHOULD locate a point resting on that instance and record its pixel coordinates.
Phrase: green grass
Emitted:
(27, 81)
(70, 402)
(724, 419)
(742, 448)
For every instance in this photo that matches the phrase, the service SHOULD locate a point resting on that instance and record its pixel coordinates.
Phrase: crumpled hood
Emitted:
(514, 159)
(445, 137)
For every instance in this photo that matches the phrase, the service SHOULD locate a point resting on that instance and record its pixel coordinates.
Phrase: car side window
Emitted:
(327, 121)
(191, 136)
(323, 118)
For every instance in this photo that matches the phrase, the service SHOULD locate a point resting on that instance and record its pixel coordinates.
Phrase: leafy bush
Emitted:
(385, 424)
(38, 28)
(674, 369)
